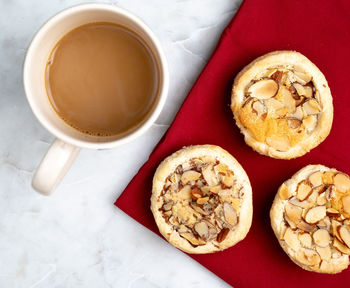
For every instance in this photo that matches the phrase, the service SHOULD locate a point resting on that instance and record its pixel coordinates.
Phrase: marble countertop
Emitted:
(77, 237)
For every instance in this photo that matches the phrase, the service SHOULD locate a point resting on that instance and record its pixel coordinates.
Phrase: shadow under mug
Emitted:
(66, 147)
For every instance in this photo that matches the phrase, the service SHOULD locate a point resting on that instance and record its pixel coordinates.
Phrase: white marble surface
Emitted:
(76, 237)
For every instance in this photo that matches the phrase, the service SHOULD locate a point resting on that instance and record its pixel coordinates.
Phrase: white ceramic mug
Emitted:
(66, 147)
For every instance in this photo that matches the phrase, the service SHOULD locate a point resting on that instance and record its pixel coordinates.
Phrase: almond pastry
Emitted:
(202, 199)
(311, 220)
(282, 104)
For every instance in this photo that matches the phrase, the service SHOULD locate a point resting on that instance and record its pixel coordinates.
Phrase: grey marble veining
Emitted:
(76, 237)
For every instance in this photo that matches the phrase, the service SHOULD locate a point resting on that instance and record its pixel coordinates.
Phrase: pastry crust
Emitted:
(300, 140)
(338, 261)
(241, 192)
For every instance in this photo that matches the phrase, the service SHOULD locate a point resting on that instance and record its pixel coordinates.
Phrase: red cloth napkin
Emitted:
(321, 31)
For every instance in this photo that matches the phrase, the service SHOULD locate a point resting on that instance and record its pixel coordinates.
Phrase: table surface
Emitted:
(77, 237)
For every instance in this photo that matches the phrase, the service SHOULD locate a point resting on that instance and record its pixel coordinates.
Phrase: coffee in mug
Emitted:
(101, 79)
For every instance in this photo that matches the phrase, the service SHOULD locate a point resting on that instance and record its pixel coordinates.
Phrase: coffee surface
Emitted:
(102, 79)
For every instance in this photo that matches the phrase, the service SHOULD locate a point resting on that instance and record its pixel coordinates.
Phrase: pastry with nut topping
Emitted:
(202, 199)
(282, 104)
(311, 219)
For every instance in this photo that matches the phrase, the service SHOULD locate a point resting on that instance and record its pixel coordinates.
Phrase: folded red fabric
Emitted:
(321, 31)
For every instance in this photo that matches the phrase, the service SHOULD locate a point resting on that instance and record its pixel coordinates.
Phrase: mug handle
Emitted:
(54, 166)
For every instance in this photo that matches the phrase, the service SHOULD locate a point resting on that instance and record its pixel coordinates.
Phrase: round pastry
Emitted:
(311, 219)
(202, 199)
(282, 104)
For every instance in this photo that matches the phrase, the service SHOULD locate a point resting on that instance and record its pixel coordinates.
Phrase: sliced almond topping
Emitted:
(273, 105)
(321, 237)
(258, 108)
(291, 239)
(327, 177)
(304, 190)
(221, 168)
(324, 252)
(316, 178)
(222, 235)
(283, 230)
(293, 212)
(302, 90)
(182, 229)
(345, 235)
(290, 223)
(263, 89)
(341, 247)
(205, 189)
(193, 240)
(302, 225)
(308, 257)
(332, 212)
(298, 114)
(174, 178)
(302, 77)
(286, 97)
(305, 240)
(207, 158)
(196, 193)
(199, 210)
(310, 122)
(203, 200)
(308, 91)
(280, 113)
(189, 176)
(186, 166)
(280, 143)
(296, 202)
(226, 194)
(209, 175)
(284, 192)
(315, 214)
(228, 180)
(325, 223)
(184, 193)
(335, 225)
(213, 232)
(342, 182)
(269, 72)
(311, 107)
(215, 189)
(236, 203)
(313, 197)
(230, 214)
(202, 229)
(333, 198)
(346, 204)
(294, 123)
(219, 223)
(321, 199)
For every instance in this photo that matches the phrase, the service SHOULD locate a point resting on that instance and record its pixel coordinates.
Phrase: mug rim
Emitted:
(163, 88)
